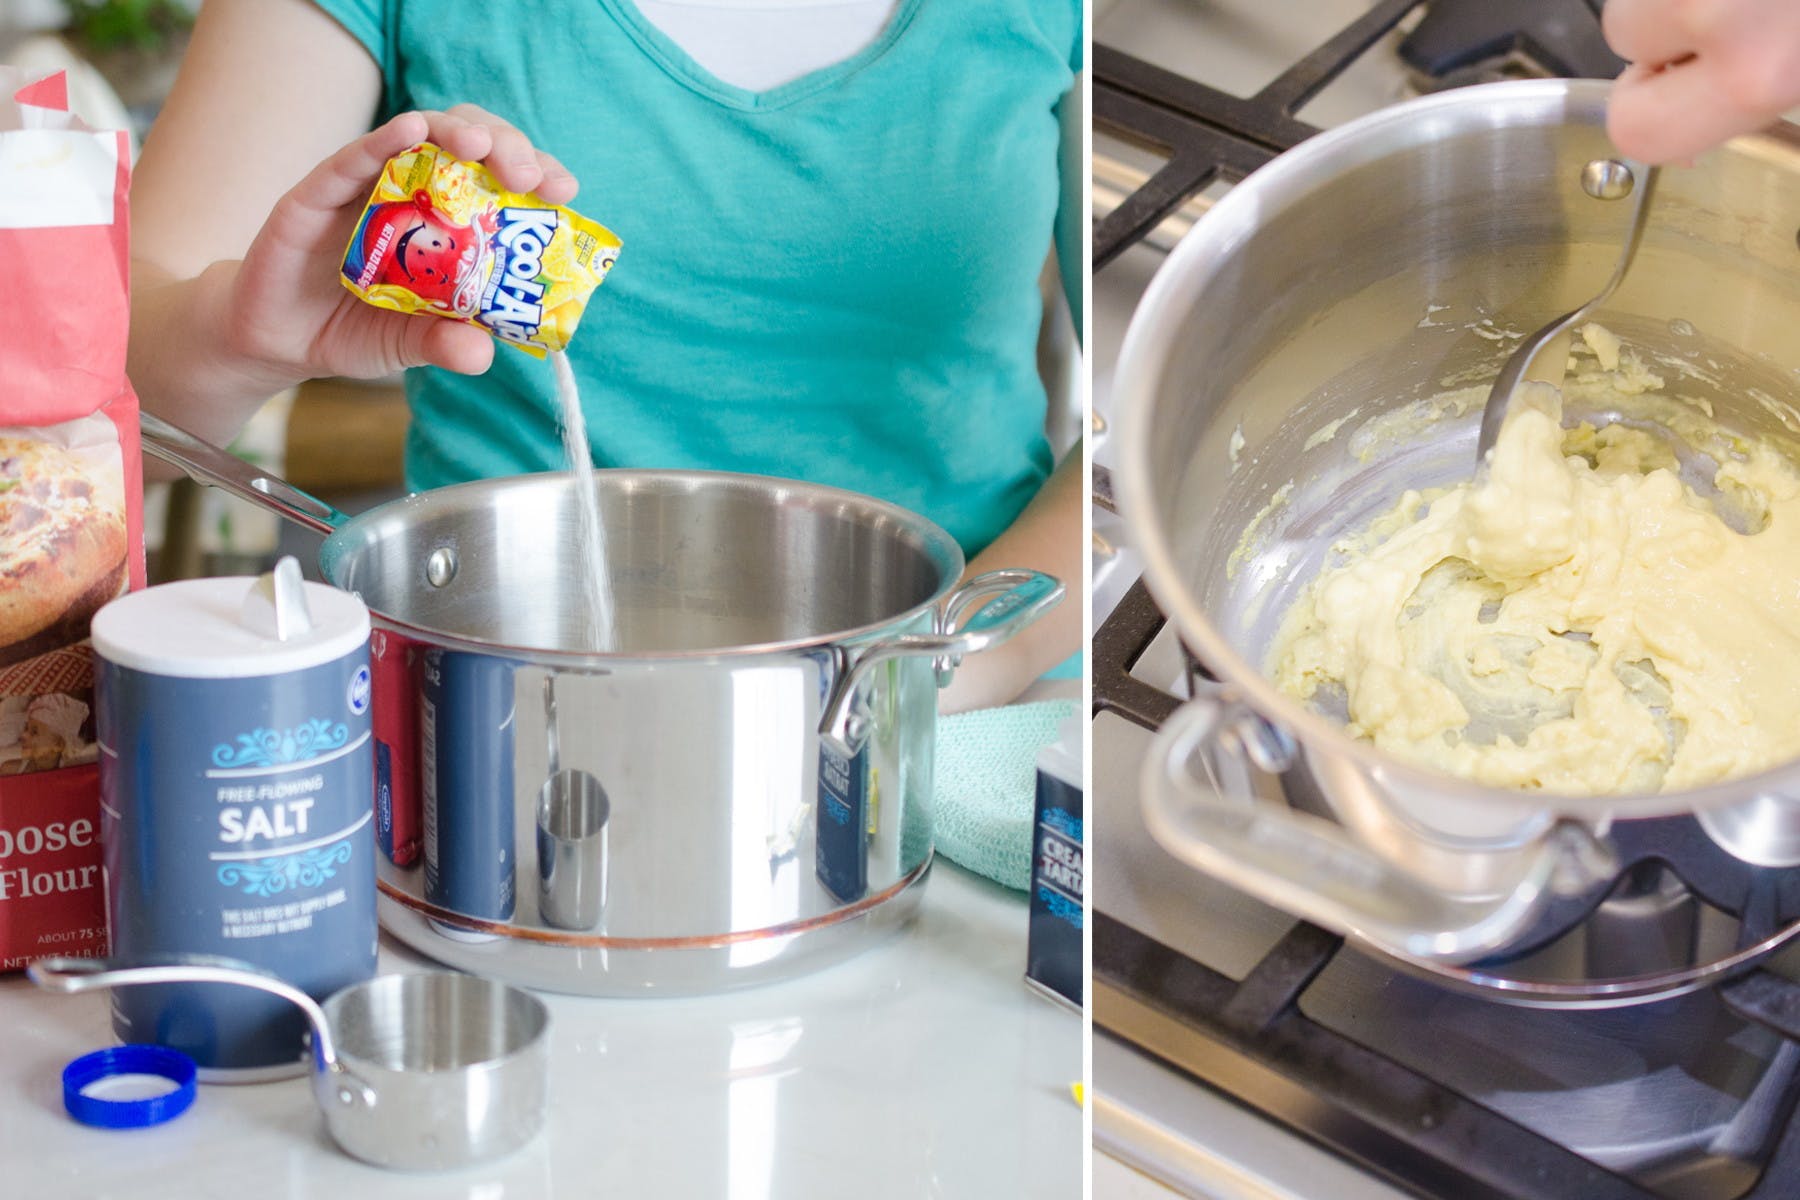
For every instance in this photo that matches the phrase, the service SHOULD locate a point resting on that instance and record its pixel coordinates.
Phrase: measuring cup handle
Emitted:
(63, 974)
(1303, 864)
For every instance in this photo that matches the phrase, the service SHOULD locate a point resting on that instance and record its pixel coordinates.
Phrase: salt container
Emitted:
(236, 791)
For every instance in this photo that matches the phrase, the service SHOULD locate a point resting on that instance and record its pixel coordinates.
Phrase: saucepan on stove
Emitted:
(738, 790)
(1276, 392)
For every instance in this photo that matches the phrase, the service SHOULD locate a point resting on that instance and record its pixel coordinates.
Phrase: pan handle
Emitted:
(206, 463)
(1199, 804)
(334, 1085)
(984, 612)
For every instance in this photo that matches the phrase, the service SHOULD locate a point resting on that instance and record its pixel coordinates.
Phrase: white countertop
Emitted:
(923, 1067)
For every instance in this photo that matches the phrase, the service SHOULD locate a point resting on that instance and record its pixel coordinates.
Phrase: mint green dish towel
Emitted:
(987, 784)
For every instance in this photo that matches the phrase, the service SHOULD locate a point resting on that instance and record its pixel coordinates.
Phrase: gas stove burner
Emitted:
(1461, 42)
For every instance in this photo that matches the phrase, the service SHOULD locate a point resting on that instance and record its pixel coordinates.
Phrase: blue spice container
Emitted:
(236, 789)
(1053, 963)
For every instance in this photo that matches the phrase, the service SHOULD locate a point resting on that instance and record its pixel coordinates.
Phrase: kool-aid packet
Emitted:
(441, 236)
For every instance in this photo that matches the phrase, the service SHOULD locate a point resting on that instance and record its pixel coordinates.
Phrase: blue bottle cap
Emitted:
(128, 1060)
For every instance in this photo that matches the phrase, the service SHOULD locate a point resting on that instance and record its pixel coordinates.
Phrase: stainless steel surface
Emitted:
(771, 635)
(703, 565)
(982, 613)
(1288, 311)
(1139, 883)
(1544, 356)
(440, 567)
(1582, 971)
(428, 1071)
(1608, 179)
(1201, 1143)
(571, 848)
(1311, 866)
(459, 1066)
(527, 952)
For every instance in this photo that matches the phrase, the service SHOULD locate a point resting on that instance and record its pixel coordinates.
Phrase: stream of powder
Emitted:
(590, 532)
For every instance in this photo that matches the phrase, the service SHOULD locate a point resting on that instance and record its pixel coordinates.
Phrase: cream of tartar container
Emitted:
(236, 792)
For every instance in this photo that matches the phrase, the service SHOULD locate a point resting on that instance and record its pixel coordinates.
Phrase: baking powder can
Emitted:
(236, 792)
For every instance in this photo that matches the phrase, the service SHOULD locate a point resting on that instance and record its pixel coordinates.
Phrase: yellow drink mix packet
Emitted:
(441, 236)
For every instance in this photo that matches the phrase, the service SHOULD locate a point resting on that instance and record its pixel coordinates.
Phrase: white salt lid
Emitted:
(227, 627)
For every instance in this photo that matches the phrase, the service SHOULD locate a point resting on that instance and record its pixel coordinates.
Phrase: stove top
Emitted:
(1236, 1050)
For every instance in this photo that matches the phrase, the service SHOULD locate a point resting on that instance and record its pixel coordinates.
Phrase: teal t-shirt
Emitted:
(835, 280)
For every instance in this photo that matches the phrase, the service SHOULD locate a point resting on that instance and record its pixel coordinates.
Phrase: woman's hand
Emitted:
(1701, 71)
(288, 317)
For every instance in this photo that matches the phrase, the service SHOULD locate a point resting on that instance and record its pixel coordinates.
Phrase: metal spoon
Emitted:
(1544, 355)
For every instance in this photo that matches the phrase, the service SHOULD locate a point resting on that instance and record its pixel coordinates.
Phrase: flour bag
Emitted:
(71, 524)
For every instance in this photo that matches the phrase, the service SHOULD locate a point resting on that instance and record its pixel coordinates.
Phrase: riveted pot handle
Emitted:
(991, 608)
(1199, 807)
(982, 613)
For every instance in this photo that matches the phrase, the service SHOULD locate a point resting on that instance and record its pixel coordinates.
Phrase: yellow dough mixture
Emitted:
(1577, 619)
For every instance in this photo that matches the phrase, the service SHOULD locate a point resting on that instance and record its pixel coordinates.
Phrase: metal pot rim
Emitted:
(1188, 272)
(936, 542)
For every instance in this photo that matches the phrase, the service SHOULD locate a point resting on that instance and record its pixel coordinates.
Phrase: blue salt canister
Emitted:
(236, 790)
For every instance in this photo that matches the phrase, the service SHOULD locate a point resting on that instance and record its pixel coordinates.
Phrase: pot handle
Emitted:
(206, 463)
(1199, 804)
(981, 614)
(333, 1084)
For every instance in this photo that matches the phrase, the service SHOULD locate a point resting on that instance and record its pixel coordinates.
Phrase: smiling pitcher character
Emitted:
(412, 245)
(440, 236)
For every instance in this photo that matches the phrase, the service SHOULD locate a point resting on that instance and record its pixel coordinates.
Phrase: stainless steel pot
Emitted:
(1354, 277)
(420, 1072)
(741, 791)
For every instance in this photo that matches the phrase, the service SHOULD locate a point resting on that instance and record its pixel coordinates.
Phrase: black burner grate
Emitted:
(1460, 41)
(1250, 1038)
(1207, 134)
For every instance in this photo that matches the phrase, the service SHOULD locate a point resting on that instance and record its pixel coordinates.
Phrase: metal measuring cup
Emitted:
(424, 1071)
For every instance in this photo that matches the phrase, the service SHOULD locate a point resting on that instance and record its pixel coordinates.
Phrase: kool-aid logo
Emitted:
(513, 305)
(359, 691)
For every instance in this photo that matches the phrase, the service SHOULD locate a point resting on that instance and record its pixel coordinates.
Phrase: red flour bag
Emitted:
(71, 524)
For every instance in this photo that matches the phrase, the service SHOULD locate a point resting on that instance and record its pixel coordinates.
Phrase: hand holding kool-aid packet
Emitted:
(442, 237)
(287, 312)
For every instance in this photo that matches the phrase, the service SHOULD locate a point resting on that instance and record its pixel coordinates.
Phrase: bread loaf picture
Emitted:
(62, 548)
